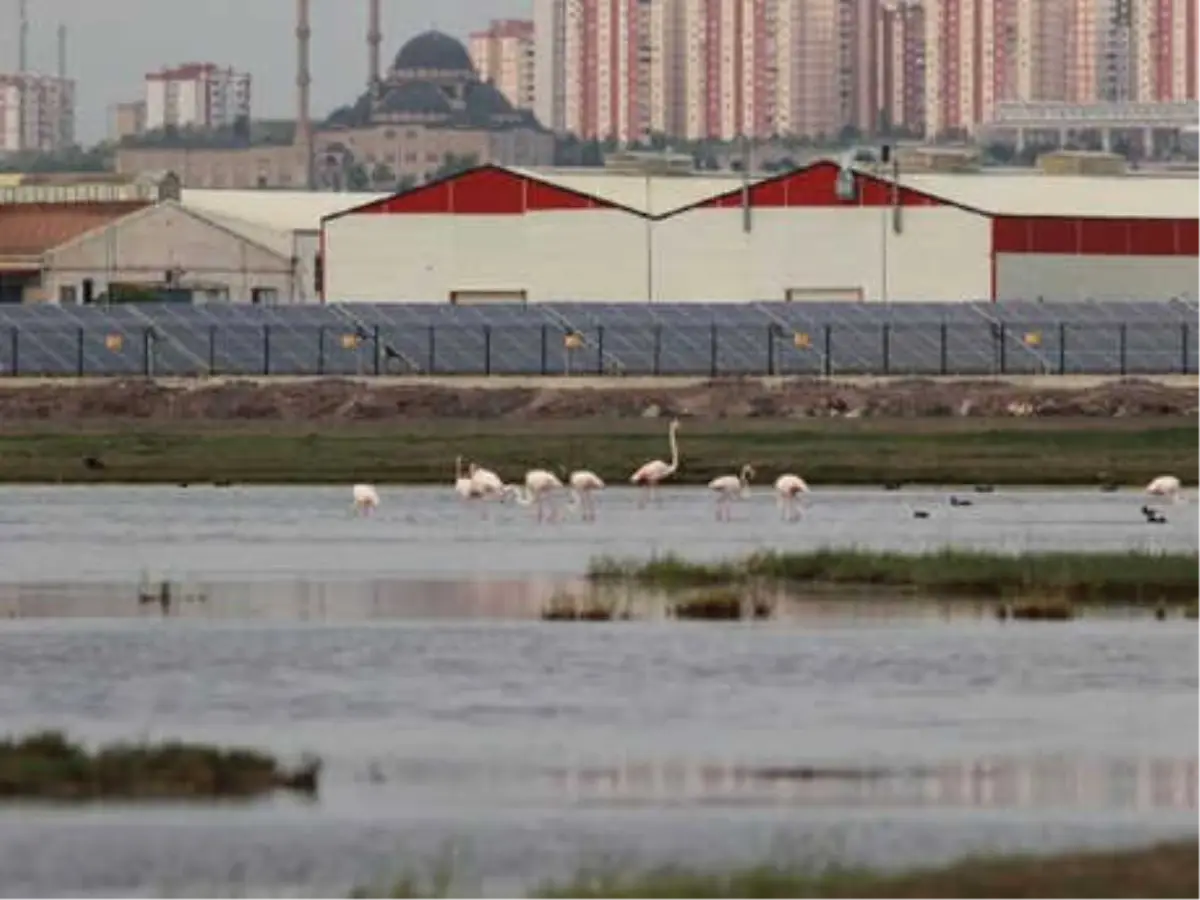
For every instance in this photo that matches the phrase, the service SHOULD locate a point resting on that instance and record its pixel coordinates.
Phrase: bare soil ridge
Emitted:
(346, 400)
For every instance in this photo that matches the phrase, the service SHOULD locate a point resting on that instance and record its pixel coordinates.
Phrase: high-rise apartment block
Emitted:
(504, 55)
(197, 95)
(37, 113)
(701, 69)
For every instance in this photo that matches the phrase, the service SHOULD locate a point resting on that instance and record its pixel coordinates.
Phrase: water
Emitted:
(403, 650)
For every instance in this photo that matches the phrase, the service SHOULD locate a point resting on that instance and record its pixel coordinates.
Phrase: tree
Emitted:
(356, 177)
(452, 164)
(383, 175)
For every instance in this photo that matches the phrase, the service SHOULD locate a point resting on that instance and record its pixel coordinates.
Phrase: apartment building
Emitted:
(504, 55)
(37, 113)
(901, 65)
(196, 95)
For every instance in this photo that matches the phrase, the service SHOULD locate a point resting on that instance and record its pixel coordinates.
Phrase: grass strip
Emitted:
(1083, 452)
(1135, 578)
(46, 766)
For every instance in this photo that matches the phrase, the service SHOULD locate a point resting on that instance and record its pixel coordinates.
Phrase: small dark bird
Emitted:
(920, 514)
(93, 463)
(984, 488)
(1153, 516)
(892, 485)
(960, 501)
(1109, 488)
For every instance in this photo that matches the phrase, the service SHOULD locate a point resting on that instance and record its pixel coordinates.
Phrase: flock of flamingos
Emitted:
(542, 486)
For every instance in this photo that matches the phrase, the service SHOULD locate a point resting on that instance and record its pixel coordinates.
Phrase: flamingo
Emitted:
(789, 488)
(366, 498)
(727, 487)
(485, 485)
(539, 485)
(649, 475)
(463, 485)
(1165, 486)
(583, 483)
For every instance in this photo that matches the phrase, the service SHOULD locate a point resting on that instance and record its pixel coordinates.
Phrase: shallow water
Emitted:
(401, 648)
(113, 533)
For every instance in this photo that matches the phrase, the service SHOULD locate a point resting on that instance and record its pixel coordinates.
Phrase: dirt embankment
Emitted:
(335, 400)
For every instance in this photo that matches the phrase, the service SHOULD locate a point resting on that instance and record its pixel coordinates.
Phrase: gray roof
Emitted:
(434, 50)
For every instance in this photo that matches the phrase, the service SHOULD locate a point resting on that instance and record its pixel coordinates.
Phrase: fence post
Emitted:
(14, 340)
(886, 338)
(432, 351)
(827, 363)
(147, 351)
(770, 350)
(1003, 350)
(487, 349)
(943, 348)
(599, 349)
(1121, 340)
(80, 336)
(266, 349)
(712, 350)
(377, 340)
(657, 361)
(1183, 348)
(545, 349)
(212, 350)
(1062, 348)
(321, 350)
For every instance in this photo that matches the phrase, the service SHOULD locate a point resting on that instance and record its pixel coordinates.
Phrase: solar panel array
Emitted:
(753, 338)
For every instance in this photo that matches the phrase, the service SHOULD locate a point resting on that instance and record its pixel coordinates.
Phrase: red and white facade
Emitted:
(503, 55)
(497, 233)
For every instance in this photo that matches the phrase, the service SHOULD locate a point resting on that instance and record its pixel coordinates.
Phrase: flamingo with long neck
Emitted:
(540, 485)
(652, 473)
(729, 487)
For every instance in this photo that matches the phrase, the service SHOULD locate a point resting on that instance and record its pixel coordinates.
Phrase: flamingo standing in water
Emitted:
(729, 487)
(540, 486)
(1165, 486)
(366, 499)
(655, 471)
(789, 488)
(583, 484)
(486, 485)
(463, 485)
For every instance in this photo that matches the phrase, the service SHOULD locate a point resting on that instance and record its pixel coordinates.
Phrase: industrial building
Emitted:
(819, 233)
(78, 243)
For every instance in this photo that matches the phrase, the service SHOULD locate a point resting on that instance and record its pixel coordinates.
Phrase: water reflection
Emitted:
(1059, 782)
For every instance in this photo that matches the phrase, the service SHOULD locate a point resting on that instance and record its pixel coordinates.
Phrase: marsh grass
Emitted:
(913, 451)
(1164, 870)
(723, 604)
(567, 607)
(48, 766)
(1132, 578)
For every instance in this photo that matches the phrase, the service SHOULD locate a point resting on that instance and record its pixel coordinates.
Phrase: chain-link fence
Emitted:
(934, 348)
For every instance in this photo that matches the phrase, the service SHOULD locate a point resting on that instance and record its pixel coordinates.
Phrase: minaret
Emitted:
(374, 39)
(304, 136)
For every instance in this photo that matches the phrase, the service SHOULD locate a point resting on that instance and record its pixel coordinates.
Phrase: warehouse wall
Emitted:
(941, 253)
(1050, 276)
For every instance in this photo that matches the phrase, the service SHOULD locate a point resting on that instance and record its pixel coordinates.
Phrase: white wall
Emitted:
(612, 256)
(1050, 276)
(940, 254)
(567, 255)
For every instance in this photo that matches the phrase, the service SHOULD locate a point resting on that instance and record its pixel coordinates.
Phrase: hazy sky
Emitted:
(113, 43)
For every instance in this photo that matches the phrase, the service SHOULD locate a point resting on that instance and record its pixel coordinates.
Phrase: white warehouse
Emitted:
(521, 235)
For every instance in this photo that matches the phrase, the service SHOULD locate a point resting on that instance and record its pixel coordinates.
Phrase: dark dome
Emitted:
(434, 50)
(417, 97)
(485, 100)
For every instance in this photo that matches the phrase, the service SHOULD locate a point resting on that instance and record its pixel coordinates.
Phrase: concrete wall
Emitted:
(613, 256)
(1049, 276)
(140, 248)
(939, 254)
(566, 255)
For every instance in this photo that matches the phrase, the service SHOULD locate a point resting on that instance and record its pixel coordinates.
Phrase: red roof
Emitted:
(31, 229)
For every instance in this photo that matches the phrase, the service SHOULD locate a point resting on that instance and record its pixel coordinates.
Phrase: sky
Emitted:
(113, 43)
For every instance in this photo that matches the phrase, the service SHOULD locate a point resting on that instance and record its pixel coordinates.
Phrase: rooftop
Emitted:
(651, 194)
(283, 212)
(30, 229)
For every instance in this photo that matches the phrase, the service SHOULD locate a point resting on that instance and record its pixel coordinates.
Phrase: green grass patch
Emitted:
(1162, 870)
(956, 451)
(46, 766)
(1072, 578)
